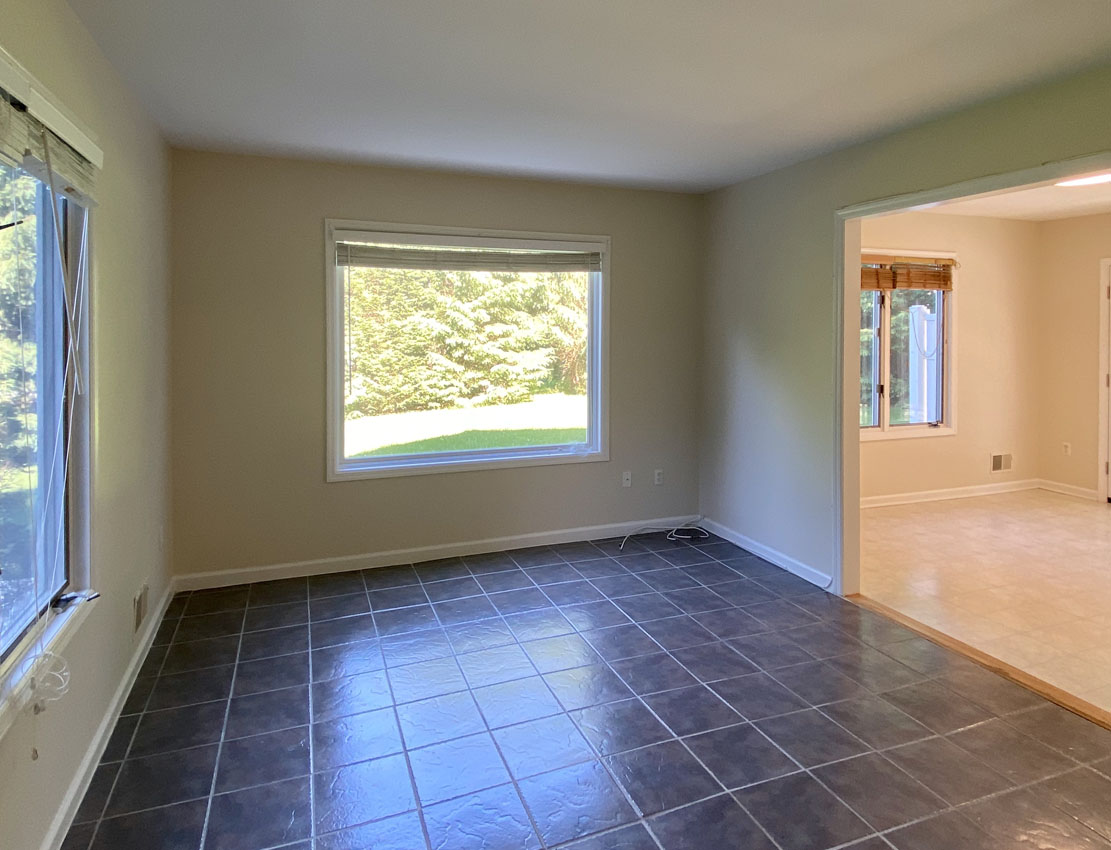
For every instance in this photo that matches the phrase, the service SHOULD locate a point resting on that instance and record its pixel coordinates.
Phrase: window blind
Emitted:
(879, 271)
(26, 143)
(465, 259)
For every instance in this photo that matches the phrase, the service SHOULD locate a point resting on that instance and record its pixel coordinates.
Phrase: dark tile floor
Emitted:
(685, 697)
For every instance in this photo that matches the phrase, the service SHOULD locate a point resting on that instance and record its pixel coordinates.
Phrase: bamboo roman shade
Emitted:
(465, 259)
(880, 271)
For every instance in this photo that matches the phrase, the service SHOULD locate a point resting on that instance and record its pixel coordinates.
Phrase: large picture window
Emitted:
(460, 350)
(905, 345)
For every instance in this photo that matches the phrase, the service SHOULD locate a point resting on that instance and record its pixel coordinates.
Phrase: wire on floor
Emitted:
(687, 531)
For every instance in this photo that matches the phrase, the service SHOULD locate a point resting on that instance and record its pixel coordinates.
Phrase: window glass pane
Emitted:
(448, 361)
(917, 349)
(869, 358)
(32, 404)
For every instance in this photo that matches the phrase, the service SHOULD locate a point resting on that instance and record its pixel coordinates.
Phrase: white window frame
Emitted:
(948, 427)
(340, 468)
(54, 630)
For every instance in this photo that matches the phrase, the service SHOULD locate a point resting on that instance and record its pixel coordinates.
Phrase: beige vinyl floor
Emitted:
(1024, 577)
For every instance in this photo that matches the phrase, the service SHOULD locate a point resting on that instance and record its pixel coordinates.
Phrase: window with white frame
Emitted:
(905, 363)
(454, 349)
(45, 189)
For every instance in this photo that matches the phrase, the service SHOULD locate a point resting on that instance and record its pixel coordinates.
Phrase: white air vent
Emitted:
(1000, 463)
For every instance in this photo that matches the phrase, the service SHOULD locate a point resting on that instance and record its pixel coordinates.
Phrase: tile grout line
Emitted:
(223, 733)
(418, 807)
(501, 754)
(311, 724)
(701, 763)
(518, 643)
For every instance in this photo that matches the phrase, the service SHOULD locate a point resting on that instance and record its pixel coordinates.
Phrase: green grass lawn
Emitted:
(495, 439)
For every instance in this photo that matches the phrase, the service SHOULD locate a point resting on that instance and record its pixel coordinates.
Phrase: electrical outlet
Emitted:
(659, 479)
(626, 479)
(1067, 449)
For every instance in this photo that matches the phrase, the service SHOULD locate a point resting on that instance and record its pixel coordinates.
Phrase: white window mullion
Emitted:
(885, 360)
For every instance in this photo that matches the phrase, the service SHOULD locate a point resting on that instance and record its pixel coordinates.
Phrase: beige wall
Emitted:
(769, 412)
(249, 363)
(997, 352)
(1069, 372)
(130, 293)
(1027, 353)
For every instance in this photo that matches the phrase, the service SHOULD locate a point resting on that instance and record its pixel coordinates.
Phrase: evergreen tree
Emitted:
(427, 340)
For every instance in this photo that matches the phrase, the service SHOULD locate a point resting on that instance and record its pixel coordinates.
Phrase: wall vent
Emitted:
(1001, 463)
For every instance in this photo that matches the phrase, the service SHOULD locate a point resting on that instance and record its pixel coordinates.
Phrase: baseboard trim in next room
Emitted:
(296, 569)
(976, 490)
(1068, 489)
(774, 556)
(80, 784)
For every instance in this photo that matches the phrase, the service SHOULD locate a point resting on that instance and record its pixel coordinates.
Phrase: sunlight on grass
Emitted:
(371, 436)
(493, 439)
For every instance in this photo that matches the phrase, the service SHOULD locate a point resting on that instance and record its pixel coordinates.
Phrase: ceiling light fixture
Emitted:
(1087, 181)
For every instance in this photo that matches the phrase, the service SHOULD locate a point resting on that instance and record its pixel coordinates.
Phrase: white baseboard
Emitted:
(975, 490)
(296, 569)
(1068, 489)
(948, 493)
(80, 784)
(791, 565)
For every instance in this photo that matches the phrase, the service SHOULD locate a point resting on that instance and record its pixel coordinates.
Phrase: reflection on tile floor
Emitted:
(675, 696)
(1025, 577)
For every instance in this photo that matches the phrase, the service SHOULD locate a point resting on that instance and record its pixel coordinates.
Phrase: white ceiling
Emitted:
(687, 94)
(1041, 203)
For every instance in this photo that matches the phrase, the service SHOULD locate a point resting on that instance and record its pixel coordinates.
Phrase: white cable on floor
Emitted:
(672, 531)
(692, 525)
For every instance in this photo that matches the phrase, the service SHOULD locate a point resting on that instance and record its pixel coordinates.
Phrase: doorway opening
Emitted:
(974, 379)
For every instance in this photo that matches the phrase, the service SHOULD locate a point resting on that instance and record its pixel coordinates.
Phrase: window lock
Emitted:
(64, 602)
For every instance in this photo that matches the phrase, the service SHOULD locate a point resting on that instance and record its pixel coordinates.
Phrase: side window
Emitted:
(34, 412)
(906, 309)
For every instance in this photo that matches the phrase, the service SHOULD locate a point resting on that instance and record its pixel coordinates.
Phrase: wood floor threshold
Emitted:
(1039, 686)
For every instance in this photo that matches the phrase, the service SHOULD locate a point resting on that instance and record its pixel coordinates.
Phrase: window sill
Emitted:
(15, 673)
(354, 470)
(905, 432)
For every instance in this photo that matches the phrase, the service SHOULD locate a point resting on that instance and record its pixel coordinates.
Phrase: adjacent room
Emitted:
(984, 426)
(554, 426)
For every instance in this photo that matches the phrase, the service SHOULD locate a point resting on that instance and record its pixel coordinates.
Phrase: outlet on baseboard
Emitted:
(139, 606)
